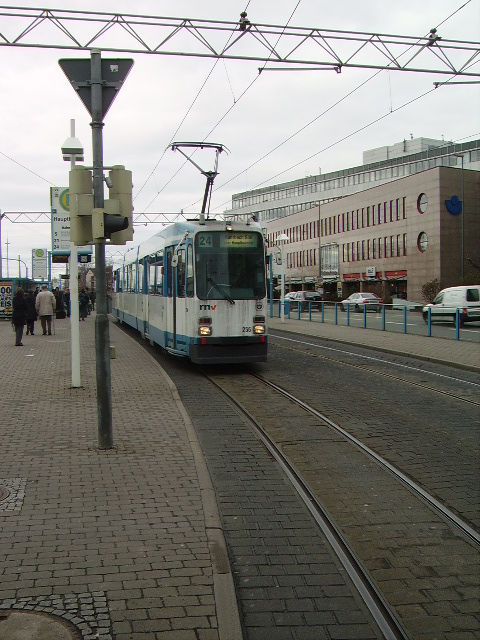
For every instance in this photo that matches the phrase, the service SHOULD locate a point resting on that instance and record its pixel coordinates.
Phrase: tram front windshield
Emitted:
(229, 265)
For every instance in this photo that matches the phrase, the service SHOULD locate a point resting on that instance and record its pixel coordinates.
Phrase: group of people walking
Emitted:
(42, 304)
(26, 309)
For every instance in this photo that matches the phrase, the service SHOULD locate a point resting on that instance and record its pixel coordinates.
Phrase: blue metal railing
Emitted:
(328, 312)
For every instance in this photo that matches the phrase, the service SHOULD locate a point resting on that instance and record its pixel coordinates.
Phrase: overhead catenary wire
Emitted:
(244, 92)
(178, 129)
(303, 128)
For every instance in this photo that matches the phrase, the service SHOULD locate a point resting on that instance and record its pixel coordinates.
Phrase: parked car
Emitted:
(304, 298)
(360, 301)
(401, 303)
(444, 308)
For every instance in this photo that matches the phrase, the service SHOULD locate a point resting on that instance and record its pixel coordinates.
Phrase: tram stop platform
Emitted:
(126, 543)
(117, 544)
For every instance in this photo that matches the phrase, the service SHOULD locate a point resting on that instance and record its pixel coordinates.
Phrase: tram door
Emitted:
(181, 291)
(179, 300)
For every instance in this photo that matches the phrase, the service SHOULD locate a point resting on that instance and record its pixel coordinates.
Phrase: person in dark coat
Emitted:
(19, 315)
(82, 302)
(31, 312)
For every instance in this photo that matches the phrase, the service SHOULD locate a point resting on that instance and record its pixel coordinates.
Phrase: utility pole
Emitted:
(8, 272)
(2, 215)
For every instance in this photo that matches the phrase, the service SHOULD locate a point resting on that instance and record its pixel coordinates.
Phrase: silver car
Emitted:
(361, 301)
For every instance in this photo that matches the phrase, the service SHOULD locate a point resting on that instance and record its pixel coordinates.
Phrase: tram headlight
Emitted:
(259, 325)
(205, 326)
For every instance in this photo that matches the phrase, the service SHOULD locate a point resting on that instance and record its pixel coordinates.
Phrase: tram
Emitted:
(198, 290)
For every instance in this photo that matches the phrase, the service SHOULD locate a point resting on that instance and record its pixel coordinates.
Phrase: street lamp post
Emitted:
(281, 240)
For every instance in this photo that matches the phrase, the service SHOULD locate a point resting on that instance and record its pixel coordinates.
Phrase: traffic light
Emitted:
(118, 213)
(80, 186)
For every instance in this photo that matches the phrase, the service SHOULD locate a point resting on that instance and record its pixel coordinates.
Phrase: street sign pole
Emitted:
(102, 334)
(97, 83)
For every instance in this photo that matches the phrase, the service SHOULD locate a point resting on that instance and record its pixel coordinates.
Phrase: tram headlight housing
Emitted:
(259, 325)
(205, 327)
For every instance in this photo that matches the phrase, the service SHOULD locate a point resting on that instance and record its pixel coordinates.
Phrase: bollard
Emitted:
(113, 354)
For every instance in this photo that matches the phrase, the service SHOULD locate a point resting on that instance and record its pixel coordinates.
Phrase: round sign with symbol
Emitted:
(64, 200)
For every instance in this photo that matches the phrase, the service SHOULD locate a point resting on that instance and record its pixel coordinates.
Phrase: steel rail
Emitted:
(469, 532)
(388, 623)
(391, 375)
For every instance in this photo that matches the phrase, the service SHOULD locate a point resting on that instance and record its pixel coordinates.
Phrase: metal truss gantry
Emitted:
(293, 47)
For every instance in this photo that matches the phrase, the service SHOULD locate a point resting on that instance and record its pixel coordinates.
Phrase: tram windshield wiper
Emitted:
(224, 293)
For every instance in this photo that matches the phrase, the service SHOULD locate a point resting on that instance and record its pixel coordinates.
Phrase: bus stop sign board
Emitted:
(79, 74)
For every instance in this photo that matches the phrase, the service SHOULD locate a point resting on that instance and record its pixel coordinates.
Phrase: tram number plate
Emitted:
(247, 329)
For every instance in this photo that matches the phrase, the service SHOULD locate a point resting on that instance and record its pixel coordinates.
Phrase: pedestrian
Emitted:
(93, 297)
(19, 315)
(31, 312)
(45, 307)
(82, 303)
(67, 301)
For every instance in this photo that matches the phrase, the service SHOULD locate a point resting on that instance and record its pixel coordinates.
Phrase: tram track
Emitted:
(388, 623)
(414, 487)
(423, 521)
(295, 345)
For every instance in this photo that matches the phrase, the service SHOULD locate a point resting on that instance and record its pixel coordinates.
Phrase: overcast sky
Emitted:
(251, 114)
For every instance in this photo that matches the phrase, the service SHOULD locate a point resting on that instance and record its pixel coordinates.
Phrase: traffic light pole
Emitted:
(102, 335)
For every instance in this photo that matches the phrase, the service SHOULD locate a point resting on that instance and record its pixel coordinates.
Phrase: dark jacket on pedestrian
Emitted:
(19, 315)
(31, 311)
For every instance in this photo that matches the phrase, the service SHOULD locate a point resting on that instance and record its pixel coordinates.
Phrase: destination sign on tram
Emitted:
(231, 239)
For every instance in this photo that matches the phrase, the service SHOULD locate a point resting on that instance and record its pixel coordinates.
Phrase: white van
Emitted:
(466, 299)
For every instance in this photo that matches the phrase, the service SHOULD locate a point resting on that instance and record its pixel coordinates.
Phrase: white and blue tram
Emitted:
(198, 290)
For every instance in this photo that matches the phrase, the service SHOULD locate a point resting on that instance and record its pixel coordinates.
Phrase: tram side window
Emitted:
(140, 285)
(156, 274)
(190, 283)
(181, 274)
(168, 272)
(119, 281)
(159, 274)
(151, 275)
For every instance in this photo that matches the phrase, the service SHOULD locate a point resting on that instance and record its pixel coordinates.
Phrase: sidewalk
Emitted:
(461, 354)
(119, 544)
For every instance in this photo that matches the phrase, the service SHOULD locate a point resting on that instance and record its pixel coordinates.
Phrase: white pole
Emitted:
(74, 311)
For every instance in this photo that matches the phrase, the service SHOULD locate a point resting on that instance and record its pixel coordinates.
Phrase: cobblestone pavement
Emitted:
(125, 543)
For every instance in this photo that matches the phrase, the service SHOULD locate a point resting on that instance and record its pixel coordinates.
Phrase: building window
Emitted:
(404, 244)
(404, 208)
(422, 242)
(374, 248)
(379, 248)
